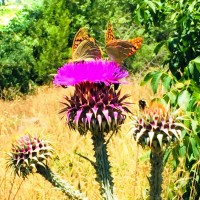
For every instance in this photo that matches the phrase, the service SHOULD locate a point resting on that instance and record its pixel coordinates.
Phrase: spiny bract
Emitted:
(95, 107)
(155, 127)
(27, 153)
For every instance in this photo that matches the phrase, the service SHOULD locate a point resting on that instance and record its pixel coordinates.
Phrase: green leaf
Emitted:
(173, 16)
(179, 85)
(197, 63)
(139, 16)
(166, 80)
(147, 78)
(155, 81)
(194, 124)
(151, 5)
(158, 47)
(191, 7)
(172, 95)
(195, 150)
(182, 151)
(166, 155)
(183, 99)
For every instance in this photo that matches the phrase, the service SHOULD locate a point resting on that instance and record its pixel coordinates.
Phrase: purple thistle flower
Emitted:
(95, 107)
(97, 71)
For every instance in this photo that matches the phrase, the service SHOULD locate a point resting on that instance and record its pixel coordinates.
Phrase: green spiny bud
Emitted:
(155, 127)
(27, 153)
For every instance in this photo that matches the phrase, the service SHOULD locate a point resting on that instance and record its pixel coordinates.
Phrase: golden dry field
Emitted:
(38, 115)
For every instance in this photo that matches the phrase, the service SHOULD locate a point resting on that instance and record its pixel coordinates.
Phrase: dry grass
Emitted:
(38, 115)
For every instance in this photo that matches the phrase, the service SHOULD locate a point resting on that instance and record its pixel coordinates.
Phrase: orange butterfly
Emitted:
(118, 50)
(84, 47)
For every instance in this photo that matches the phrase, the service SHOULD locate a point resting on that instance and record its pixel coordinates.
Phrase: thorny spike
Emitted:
(151, 135)
(160, 137)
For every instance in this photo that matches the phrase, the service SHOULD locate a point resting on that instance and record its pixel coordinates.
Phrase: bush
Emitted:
(33, 46)
(182, 84)
(16, 59)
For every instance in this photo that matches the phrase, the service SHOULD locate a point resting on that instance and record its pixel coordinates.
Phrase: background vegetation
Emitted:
(37, 40)
(37, 32)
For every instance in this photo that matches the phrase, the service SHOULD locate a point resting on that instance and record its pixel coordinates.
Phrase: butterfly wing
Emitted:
(136, 42)
(119, 50)
(86, 50)
(81, 35)
(84, 47)
(109, 37)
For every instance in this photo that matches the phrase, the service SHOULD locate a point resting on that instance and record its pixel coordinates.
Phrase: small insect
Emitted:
(142, 104)
(117, 49)
(84, 47)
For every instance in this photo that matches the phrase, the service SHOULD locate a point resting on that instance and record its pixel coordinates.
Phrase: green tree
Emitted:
(16, 59)
(51, 31)
(183, 83)
(33, 46)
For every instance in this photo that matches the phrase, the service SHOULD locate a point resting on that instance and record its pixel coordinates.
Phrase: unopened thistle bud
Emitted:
(27, 153)
(155, 126)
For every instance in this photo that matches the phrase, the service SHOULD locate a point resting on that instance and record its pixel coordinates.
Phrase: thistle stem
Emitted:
(102, 167)
(156, 160)
(62, 185)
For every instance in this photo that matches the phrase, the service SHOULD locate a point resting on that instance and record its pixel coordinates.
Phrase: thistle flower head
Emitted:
(156, 127)
(96, 71)
(95, 107)
(27, 153)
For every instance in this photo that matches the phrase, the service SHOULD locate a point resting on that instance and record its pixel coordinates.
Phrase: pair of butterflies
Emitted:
(85, 47)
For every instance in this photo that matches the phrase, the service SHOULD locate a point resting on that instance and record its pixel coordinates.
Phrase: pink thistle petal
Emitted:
(154, 125)
(115, 116)
(68, 115)
(105, 112)
(160, 138)
(175, 133)
(99, 118)
(76, 118)
(109, 121)
(93, 71)
(84, 120)
(170, 121)
(166, 131)
(141, 122)
(30, 148)
(95, 109)
(89, 117)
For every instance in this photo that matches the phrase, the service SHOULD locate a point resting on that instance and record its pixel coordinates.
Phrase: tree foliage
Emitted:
(40, 37)
(33, 46)
(182, 83)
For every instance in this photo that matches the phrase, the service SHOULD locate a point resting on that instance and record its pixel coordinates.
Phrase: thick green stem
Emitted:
(156, 160)
(62, 185)
(102, 167)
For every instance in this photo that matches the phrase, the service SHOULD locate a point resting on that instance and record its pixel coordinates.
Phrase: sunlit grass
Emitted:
(38, 115)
